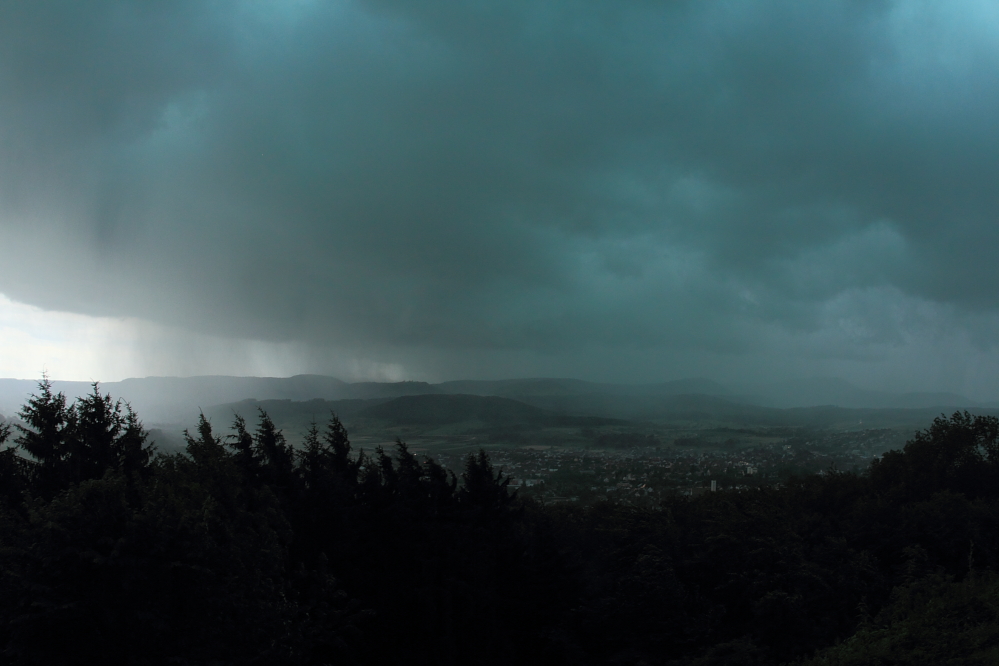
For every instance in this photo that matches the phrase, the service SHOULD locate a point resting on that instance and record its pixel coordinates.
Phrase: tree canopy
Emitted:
(246, 549)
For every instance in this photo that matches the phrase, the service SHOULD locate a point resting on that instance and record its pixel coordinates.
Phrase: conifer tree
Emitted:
(46, 438)
(242, 442)
(12, 471)
(95, 439)
(131, 450)
(315, 461)
(339, 445)
(483, 488)
(275, 454)
(207, 448)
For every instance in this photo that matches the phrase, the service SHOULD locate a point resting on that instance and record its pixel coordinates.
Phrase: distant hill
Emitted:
(552, 411)
(422, 410)
(513, 387)
(178, 400)
(436, 410)
(820, 391)
(449, 419)
(285, 410)
(369, 390)
(443, 409)
(431, 418)
(576, 387)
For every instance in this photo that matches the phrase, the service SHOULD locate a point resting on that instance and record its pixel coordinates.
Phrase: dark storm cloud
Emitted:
(508, 175)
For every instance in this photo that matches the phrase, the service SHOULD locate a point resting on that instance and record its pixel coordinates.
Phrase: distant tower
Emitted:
(714, 485)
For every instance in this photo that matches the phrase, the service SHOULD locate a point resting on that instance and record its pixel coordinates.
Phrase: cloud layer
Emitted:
(609, 190)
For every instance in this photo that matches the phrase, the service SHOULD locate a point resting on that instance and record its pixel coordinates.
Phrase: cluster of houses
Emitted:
(554, 475)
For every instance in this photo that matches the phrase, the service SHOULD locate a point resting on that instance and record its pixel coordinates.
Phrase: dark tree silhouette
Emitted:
(47, 438)
(68, 444)
(242, 442)
(275, 456)
(482, 488)
(959, 454)
(13, 472)
(243, 550)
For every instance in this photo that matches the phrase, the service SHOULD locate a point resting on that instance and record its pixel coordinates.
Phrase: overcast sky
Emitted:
(623, 191)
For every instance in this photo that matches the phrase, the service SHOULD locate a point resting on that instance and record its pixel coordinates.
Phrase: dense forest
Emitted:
(246, 550)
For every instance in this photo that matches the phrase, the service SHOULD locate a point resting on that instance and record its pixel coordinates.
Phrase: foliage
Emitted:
(244, 549)
(960, 454)
(68, 444)
(935, 620)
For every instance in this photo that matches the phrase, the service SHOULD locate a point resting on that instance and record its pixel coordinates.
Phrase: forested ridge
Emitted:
(246, 550)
